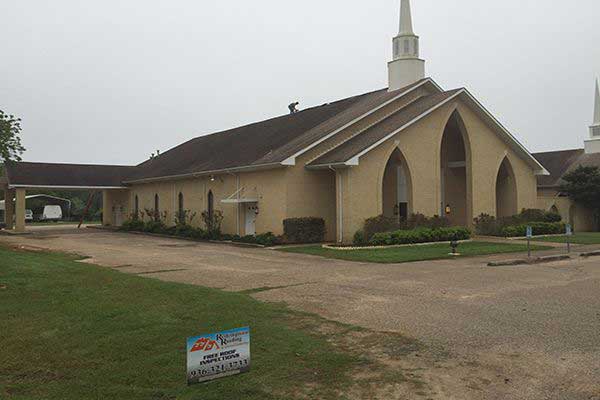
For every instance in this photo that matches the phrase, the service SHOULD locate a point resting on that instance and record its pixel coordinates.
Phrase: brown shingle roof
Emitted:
(557, 163)
(268, 142)
(251, 145)
(358, 143)
(75, 175)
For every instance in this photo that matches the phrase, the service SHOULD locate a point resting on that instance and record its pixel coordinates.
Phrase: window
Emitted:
(406, 46)
(595, 131)
(136, 206)
(211, 205)
(396, 48)
(416, 47)
(156, 207)
(180, 210)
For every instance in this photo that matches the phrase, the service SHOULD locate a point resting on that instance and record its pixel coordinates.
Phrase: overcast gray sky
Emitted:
(111, 81)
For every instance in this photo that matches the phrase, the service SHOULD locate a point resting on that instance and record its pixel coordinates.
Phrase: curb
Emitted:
(531, 261)
(590, 254)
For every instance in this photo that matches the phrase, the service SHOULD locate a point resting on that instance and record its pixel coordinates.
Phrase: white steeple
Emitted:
(406, 27)
(597, 106)
(406, 67)
(593, 144)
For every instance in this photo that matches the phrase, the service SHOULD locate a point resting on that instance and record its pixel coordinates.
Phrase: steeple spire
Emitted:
(597, 106)
(593, 144)
(406, 27)
(406, 67)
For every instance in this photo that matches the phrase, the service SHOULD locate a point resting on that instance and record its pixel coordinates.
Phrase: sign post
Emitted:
(529, 236)
(218, 355)
(569, 234)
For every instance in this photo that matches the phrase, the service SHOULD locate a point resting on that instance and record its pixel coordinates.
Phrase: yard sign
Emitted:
(529, 232)
(217, 355)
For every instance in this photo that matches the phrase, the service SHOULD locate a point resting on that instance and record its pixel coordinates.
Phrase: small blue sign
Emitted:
(569, 230)
(529, 232)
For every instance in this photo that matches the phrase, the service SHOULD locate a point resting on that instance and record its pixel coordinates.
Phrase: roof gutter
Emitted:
(248, 168)
(64, 187)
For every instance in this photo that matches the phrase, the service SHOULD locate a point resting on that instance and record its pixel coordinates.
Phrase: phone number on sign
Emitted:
(217, 369)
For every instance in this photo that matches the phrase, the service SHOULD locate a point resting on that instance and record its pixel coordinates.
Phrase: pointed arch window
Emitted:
(180, 209)
(211, 205)
(136, 206)
(156, 207)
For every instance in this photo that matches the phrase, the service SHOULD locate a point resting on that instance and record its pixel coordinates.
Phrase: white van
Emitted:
(51, 213)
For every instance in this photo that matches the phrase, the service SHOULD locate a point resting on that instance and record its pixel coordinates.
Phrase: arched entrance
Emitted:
(455, 168)
(506, 191)
(397, 187)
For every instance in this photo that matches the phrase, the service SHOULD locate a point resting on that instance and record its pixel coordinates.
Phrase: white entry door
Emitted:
(250, 212)
(118, 215)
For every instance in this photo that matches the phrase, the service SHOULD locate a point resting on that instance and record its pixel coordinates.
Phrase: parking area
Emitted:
(509, 332)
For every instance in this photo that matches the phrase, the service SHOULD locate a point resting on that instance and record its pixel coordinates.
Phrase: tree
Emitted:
(582, 185)
(10, 140)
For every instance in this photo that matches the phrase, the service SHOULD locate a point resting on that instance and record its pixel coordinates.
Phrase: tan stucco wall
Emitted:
(267, 186)
(420, 145)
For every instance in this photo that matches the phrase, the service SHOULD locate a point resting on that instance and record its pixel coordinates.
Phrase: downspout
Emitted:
(237, 211)
(340, 205)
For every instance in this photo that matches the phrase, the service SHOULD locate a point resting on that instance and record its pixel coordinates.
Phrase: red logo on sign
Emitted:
(204, 344)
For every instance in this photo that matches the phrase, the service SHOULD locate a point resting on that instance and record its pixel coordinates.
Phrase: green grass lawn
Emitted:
(70, 330)
(578, 238)
(413, 253)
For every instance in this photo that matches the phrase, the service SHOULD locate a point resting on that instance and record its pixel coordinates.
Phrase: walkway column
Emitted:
(20, 210)
(9, 208)
(106, 209)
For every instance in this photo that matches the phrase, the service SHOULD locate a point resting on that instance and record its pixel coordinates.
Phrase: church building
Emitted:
(413, 147)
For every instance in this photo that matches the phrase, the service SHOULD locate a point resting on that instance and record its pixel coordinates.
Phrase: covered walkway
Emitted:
(23, 176)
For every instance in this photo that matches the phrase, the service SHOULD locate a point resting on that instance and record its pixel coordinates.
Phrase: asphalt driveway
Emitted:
(492, 333)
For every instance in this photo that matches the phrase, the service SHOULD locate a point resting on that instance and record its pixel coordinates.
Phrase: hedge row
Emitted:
(421, 235)
(381, 223)
(304, 230)
(489, 225)
(539, 228)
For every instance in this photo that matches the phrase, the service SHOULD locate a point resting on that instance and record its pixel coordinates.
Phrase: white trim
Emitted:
(355, 160)
(65, 187)
(292, 159)
(238, 201)
(542, 170)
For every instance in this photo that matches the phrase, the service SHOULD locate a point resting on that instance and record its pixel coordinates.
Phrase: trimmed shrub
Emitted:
(539, 228)
(382, 224)
(134, 224)
(379, 224)
(490, 226)
(155, 227)
(421, 235)
(304, 230)
(360, 239)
